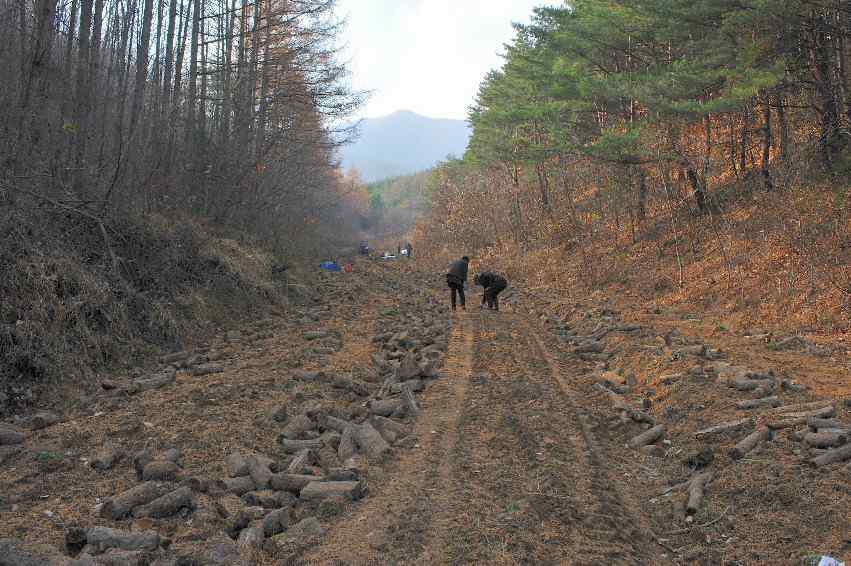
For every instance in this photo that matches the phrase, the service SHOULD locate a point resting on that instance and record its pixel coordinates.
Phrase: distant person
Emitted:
(410, 250)
(398, 250)
(494, 284)
(456, 278)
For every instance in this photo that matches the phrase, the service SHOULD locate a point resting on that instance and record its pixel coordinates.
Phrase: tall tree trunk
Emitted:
(766, 143)
(191, 108)
(784, 127)
(83, 90)
(142, 55)
(169, 55)
(39, 63)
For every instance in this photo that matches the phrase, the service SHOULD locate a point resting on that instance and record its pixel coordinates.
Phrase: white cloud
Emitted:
(427, 55)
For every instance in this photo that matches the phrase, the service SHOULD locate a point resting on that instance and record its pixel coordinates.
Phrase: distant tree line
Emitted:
(622, 113)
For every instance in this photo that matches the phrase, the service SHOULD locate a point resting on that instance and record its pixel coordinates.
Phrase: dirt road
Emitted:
(377, 427)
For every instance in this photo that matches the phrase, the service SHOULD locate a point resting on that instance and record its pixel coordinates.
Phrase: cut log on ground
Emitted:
(370, 442)
(627, 412)
(389, 429)
(301, 462)
(237, 465)
(696, 491)
(795, 419)
(723, 428)
(759, 403)
(239, 486)
(816, 423)
(352, 490)
(647, 437)
(293, 483)
(101, 539)
(329, 422)
(409, 402)
(825, 439)
(123, 504)
(385, 407)
(750, 442)
(802, 407)
(295, 446)
(166, 506)
(834, 456)
(297, 426)
(259, 471)
(347, 447)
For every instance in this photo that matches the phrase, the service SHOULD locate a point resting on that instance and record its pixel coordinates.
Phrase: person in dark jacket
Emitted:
(494, 284)
(410, 249)
(456, 278)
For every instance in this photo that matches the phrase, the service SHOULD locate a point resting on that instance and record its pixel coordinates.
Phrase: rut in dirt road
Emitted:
(392, 525)
(506, 471)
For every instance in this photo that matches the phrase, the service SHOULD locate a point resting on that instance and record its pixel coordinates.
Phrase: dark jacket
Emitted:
(458, 270)
(491, 280)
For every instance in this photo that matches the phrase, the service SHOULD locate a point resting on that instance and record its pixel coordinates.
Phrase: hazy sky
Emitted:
(428, 56)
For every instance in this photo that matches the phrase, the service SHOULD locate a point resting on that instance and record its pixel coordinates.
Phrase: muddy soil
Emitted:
(432, 437)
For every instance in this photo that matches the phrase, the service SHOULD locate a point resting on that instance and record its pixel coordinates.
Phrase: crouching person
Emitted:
(494, 285)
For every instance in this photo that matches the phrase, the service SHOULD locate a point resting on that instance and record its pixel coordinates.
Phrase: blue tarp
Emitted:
(330, 266)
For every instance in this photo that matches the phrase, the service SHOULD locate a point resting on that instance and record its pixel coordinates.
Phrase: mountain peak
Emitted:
(402, 143)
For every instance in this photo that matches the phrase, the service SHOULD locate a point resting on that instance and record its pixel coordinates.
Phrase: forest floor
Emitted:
(390, 430)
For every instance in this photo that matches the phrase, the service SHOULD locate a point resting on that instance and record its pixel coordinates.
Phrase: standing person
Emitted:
(456, 277)
(494, 284)
(410, 249)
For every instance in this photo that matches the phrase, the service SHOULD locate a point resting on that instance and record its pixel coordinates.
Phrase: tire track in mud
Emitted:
(619, 536)
(392, 525)
(528, 486)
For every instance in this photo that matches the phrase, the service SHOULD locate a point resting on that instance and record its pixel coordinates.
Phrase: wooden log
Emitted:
(329, 422)
(836, 455)
(409, 402)
(106, 458)
(166, 506)
(352, 490)
(802, 407)
(260, 472)
(276, 522)
(765, 390)
(239, 486)
(159, 470)
(121, 505)
(101, 539)
(9, 437)
(620, 404)
(348, 446)
(356, 387)
(647, 437)
(816, 423)
(696, 491)
(759, 403)
(798, 435)
(723, 428)
(297, 426)
(825, 439)
(237, 465)
(385, 407)
(750, 442)
(293, 483)
(301, 462)
(295, 446)
(370, 442)
(389, 429)
(795, 419)
(744, 384)
(412, 384)
(251, 539)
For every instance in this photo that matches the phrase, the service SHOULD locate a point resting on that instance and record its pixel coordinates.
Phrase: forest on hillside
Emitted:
(696, 148)
(163, 163)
